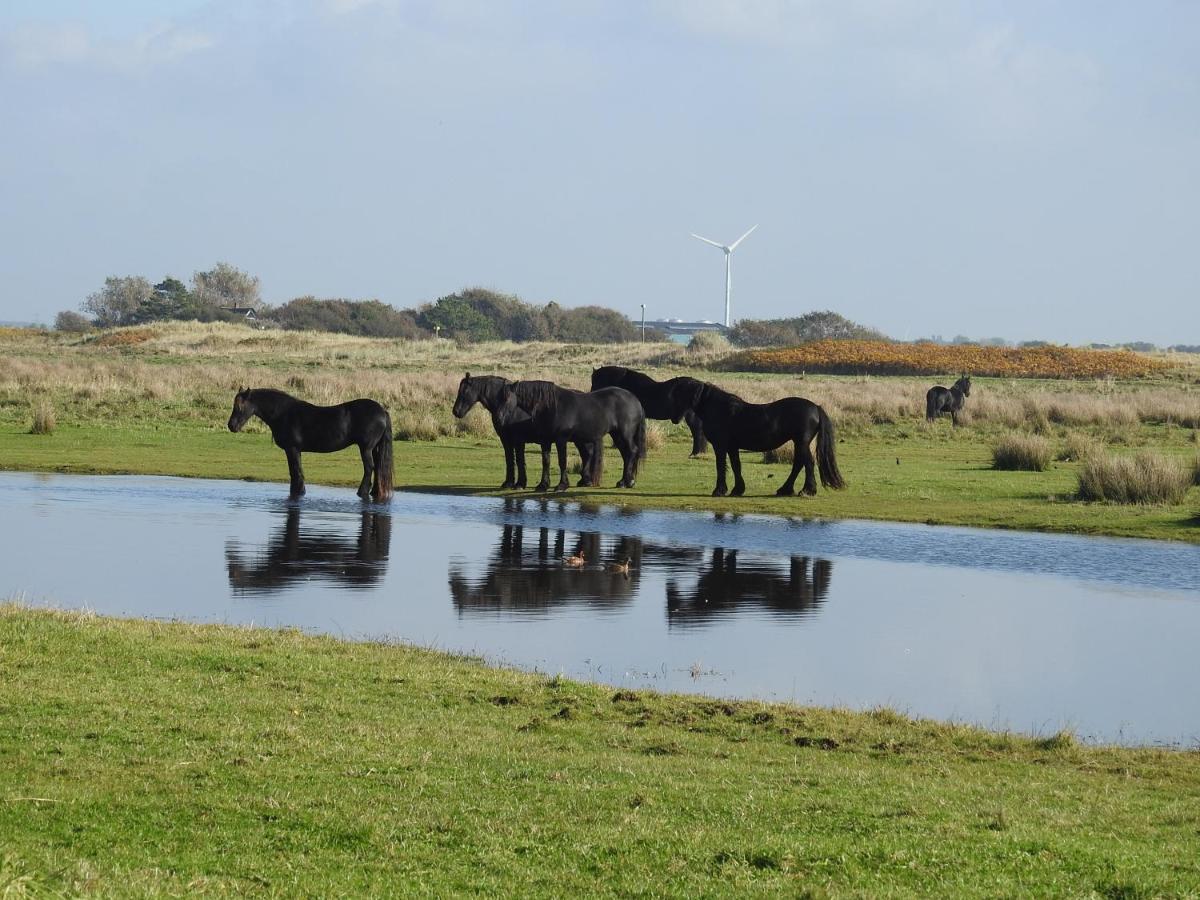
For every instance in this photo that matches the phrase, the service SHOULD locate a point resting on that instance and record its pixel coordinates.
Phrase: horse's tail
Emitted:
(931, 404)
(384, 475)
(826, 455)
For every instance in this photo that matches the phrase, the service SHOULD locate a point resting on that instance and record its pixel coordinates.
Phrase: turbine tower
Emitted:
(728, 280)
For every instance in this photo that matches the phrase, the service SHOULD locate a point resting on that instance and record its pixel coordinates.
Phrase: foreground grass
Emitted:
(155, 400)
(270, 762)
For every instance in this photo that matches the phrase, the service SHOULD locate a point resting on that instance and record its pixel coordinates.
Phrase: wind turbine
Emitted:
(728, 281)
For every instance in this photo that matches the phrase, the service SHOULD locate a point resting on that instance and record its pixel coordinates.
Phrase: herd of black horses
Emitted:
(547, 414)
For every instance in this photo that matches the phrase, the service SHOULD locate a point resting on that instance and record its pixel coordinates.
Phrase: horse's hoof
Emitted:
(719, 492)
(738, 490)
(785, 490)
(521, 484)
(560, 488)
(541, 488)
(810, 491)
(507, 486)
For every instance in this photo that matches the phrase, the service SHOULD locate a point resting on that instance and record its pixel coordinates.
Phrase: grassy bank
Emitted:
(155, 400)
(269, 762)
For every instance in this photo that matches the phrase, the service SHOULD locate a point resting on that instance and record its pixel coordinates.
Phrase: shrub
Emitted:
(656, 438)
(813, 326)
(709, 342)
(785, 453)
(1147, 477)
(1078, 446)
(43, 418)
(72, 322)
(1022, 452)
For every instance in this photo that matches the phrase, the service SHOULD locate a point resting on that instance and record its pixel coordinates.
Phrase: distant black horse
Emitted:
(653, 396)
(297, 426)
(731, 424)
(560, 414)
(485, 389)
(940, 400)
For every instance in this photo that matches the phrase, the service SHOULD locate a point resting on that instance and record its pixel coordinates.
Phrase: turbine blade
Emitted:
(707, 241)
(733, 246)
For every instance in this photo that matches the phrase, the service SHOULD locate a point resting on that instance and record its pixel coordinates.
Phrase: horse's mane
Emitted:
(489, 385)
(536, 396)
(720, 393)
(630, 379)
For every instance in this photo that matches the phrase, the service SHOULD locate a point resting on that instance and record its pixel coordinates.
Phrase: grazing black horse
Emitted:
(653, 396)
(940, 400)
(560, 414)
(485, 390)
(731, 424)
(297, 425)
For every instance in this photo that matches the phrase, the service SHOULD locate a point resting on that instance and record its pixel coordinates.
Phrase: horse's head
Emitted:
(243, 409)
(683, 394)
(507, 409)
(606, 376)
(468, 396)
(964, 385)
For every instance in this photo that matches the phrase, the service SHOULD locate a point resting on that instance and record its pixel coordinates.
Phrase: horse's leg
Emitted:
(586, 477)
(803, 453)
(721, 489)
(563, 481)
(510, 458)
(519, 458)
(364, 486)
(295, 473)
(628, 464)
(735, 463)
(699, 444)
(544, 483)
(788, 488)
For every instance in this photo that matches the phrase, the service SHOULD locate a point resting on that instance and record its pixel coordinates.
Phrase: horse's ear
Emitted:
(468, 375)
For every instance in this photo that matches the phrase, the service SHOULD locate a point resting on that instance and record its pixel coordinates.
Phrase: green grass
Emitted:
(142, 758)
(936, 476)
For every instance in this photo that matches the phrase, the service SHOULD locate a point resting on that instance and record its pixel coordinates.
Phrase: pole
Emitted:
(728, 289)
(643, 323)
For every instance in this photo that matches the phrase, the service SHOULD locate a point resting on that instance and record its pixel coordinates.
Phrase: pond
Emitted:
(1009, 630)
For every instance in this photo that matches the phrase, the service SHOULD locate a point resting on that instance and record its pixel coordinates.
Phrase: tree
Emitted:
(370, 318)
(813, 326)
(118, 302)
(71, 321)
(225, 285)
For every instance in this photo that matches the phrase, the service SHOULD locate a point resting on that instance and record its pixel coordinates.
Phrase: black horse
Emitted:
(485, 389)
(297, 426)
(731, 424)
(559, 414)
(653, 396)
(940, 400)
(731, 587)
(297, 554)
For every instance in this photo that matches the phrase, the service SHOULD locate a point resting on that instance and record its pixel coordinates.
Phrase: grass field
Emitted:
(155, 400)
(271, 763)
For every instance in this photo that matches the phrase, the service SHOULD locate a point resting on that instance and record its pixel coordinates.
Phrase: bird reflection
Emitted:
(726, 589)
(534, 572)
(294, 555)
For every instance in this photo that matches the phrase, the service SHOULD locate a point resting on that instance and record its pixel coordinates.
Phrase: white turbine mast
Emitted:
(728, 279)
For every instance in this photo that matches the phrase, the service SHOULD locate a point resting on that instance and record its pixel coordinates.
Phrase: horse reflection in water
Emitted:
(531, 576)
(295, 555)
(727, 590)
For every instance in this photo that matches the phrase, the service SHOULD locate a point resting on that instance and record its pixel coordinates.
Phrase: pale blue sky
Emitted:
(1024, 169)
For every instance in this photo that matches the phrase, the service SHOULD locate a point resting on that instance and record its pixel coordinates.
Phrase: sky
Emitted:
(1026, 169)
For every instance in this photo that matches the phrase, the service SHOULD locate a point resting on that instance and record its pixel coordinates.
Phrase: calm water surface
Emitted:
(1009, 630)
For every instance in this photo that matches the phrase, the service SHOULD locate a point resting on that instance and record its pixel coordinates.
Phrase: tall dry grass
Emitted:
(1022, 452)
(189, 371)
(1148, 477)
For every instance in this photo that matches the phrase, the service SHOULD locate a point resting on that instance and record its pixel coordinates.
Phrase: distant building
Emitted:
(679, 326)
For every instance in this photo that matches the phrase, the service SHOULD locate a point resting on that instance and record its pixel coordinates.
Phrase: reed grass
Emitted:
(1022, 453)
(1146, 478)
(44, 421)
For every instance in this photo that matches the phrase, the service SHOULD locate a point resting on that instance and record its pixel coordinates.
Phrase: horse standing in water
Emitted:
(731, 425)
(653, 397)
(560, 414)
(485, 390)
(297, 425)
(940, 400)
